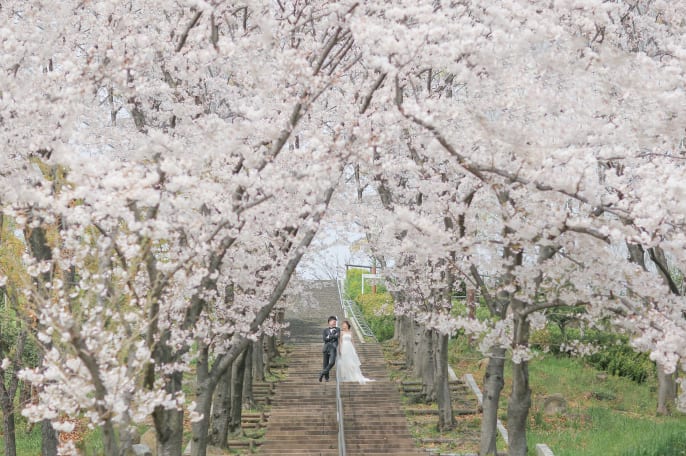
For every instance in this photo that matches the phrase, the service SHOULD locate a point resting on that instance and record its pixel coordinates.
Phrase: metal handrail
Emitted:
(339, 417)
(354, 312)
(339, 400)
(340, 292)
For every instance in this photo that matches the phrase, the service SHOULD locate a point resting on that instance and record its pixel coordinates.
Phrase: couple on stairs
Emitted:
(340, 341)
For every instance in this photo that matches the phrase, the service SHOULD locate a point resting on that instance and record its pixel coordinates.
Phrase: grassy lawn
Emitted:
(29, 443)
(606, 415)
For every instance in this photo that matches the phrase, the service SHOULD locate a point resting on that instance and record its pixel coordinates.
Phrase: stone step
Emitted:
(324, 451)
(302, 419)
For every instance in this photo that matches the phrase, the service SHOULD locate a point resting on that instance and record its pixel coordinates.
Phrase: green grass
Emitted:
(28, 443)
(614, 416)
(607, 415)
(602, 431)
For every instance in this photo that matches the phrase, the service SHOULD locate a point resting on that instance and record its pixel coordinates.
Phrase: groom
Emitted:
(330, 346)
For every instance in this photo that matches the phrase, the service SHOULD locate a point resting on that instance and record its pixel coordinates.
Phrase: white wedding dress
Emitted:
(348, 363)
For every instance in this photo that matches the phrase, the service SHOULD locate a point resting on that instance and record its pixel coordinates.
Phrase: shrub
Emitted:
(378, 311)
(376, 308)
(383, 327)
(614, 356)
(541, 338)
(376, 304)
(353, 284)
(623, 361)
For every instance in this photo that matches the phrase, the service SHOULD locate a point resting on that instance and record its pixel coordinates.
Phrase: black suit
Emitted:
(330, 336)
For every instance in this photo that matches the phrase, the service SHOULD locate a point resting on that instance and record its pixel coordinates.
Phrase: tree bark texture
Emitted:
(520, 398)
(8, 391)
(272, 350)
(48, 439)
(237, 377)
(494, 380)
(221, 412)
(667, 392)
(6, 395)
(446, 420)
(9, 425)
(40, 250)
(424, 362)
(407, 343)
(399, 335)
(258, 360)
(397, 319)
(203, 394)
(248, 398)
(169, 422)
(666, 384)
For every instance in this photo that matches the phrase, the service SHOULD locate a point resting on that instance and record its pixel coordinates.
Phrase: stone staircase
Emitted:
(302, 420)
(307, 317)
(374, 420)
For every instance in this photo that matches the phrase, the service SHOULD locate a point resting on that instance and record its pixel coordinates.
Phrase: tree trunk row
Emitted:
(426, 357)
(221, 402)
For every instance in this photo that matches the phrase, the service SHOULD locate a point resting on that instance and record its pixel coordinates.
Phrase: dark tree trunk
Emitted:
(494, 381)
(408, 343)
(272, 350)
(169, 423)
(471, 303)
(110, 439)
(248, 398)
(399, 330)
(667, 389)
(221, 412)
(48, 439)
(9, 425)
(6, 393)
(446, 420)
(399, 335)
(203, 393)
(281, 318)
(424, 363)
(398, 327)
(237, 377)
(8, 390)
(518, 409)
(667, 392)
(520, 398)
(266, 357)
(636, 254)
(258, 360)
(126, 438)
(40, 250)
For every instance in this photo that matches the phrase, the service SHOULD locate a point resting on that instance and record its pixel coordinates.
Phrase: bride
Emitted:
(348, 364)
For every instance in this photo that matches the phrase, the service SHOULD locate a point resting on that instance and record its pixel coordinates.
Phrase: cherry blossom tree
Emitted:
(175, 126)
(201, 144)
(533, 103)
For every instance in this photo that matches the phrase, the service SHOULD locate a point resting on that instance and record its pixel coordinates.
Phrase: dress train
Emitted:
(348, 363)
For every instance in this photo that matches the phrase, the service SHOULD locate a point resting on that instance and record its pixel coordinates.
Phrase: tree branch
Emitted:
(184, 35)
(223, 363)
(368, 99)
